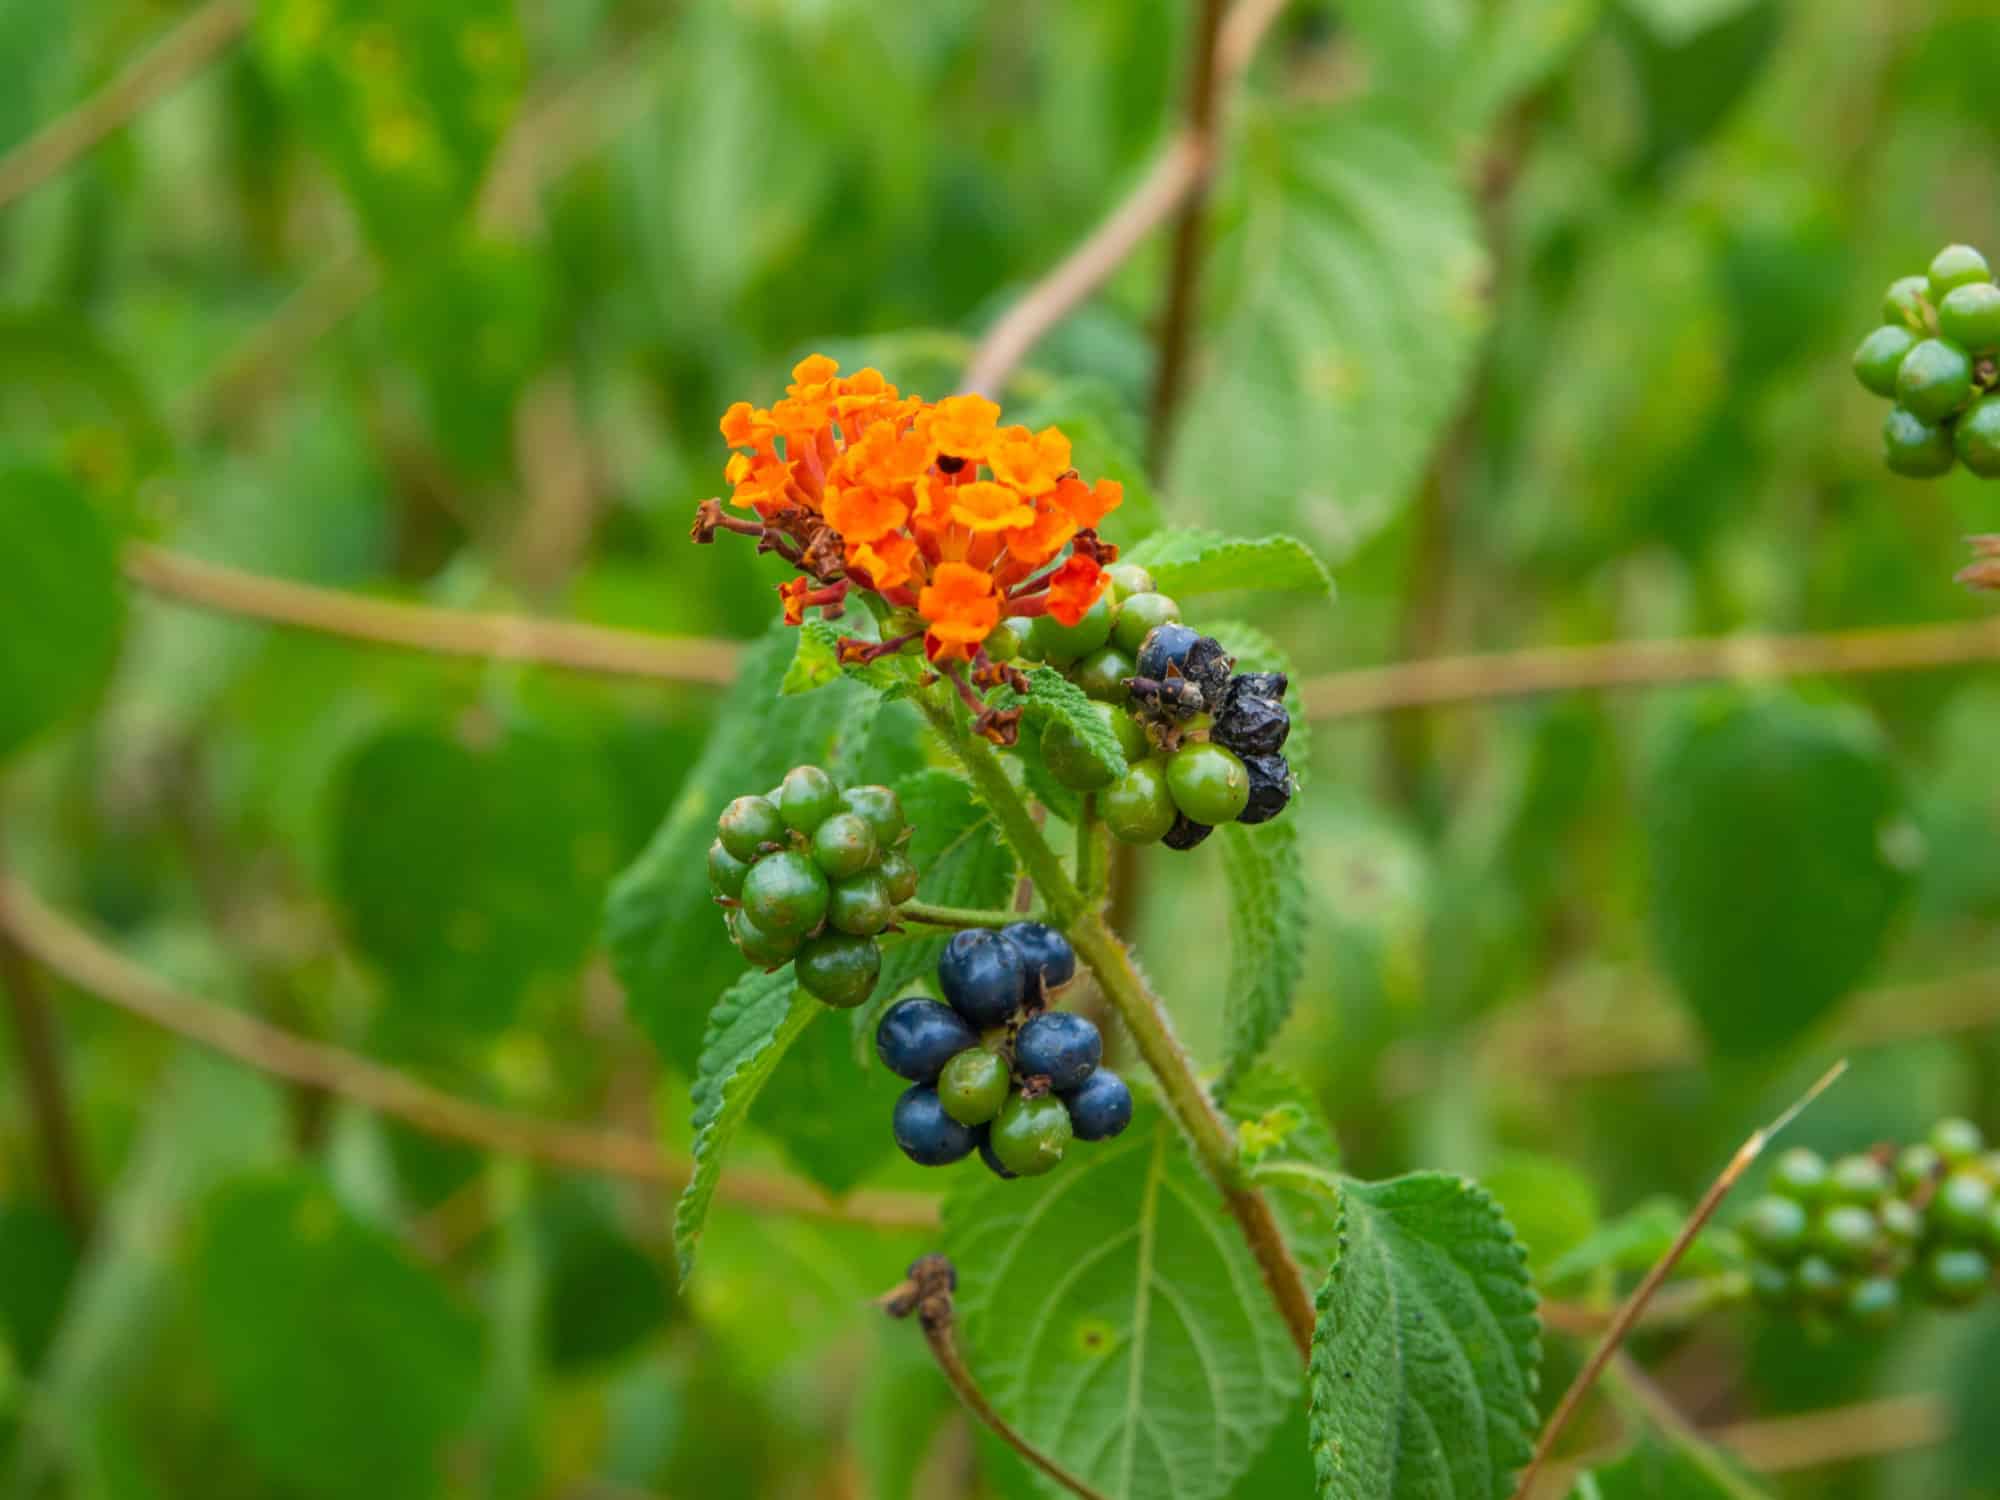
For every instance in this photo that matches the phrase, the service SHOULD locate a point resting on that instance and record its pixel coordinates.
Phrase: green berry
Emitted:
(1130, 580)
(1847, 1234)
(1102, 675)
(1907, 304)
(1860, 1179)
(1917, 1165)
(1799, 1173)
(1881, 356)
(747, 825)
(1960, 1209)
(1976, 436)
(785, 893)
(807, 798)
(1900, 1221)
(1139, 808)
(1136, 618)
(839, 969)
(1029, 1135)
(1208, 783)
(1776, 1225)
(862, 904)
(973, 1086)
(1956, 266)
(1131, 736)
(1913, 448)
(899, 872)
(759, 945)
(1956, 1140)
(1970, 315)
(1770, 1284)
(725, 870)
(1873, 1303)
(880, 808)
(1934, 380)
(1063, 644)
(843, 845)
(1003, 643)
(1818, 1280)
(1069, 760)
(1955, 1275)
(1024, 631)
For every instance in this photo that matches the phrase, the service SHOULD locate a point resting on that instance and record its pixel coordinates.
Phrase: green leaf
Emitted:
(294, 1298)
(1354, 300)
(1052, 698)
(1267, 937)
(1189, 562)
(1777, 847)
(666, 937)
(1678, 22)
(1633, 1241)
(1427, 1353)
(470, 872)
(1451, 66)
(605, 1295)
(41, 1259)
(1255, 651)
(829, 1116)
(1289, 1151)
(1655, 1469)
(405, 102)
(748, 1032)
(1111, 1313)
(61, 603)
(1551, 1204)
(816, 664)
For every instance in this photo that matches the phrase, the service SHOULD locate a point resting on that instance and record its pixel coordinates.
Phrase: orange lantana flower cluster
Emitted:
(933, 505)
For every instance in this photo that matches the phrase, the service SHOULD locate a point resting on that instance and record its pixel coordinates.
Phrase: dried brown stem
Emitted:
(415, 627)
(927, 1293)
(1629, 1312)
(178, 56)
(1781, 1445)
(67, 949)
(39, 1058)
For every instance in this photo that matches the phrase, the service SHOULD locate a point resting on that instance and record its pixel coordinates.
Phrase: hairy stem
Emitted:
(954, 916)
(1091, 856)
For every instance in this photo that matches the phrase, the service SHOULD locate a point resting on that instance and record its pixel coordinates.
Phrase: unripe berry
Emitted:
(747, 825)
(1818, 1280)
(839, 969)
(1976, 436)
(861, 904)
(1062, 644)
(760, 946)
(1956, 1140)
(1934, 380)
(1770, 1284)
(1873, 1303)
(1917, 1165)
(843, 845)
(725, 871)
(1799, 1173)
(1030, 1135)
(785, 893)
(1102, 675)
(1970, 315)
(1138, 808)
(1956, 1276)
(973, 1086)
(880, 808)
(1003, 642)
(1881, 356)
(1913, 448)
(1961, 1206)
(1776, 1225)
(1860, 1179)
(993, 1163)
(1907, 304)
(807, 797)
(1847, 1234)
(1208, 783)
(1900, 1222)
(1138, 616)
(1956, 266)
(899, 872)
(1130, 580)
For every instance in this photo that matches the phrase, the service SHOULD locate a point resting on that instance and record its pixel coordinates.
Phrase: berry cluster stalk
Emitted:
(1145, 1017)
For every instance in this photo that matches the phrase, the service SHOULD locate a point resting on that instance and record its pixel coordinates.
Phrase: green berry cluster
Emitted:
(1859, 1239)
(1937, 356)
(1202, 742)
(810, 873)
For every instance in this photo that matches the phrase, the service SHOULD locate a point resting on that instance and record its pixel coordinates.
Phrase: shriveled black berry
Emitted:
(1272, 685)
(1208, 666)
(1270, 787)
(1250, 725)
(1186, 833)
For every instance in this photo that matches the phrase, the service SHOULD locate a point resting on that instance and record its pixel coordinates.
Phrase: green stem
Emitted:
(1091, 863)
(954, 916)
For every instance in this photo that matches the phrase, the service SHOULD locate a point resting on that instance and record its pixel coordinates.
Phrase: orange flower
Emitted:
(885, 458)
(962, 427)
(794, 595)
(1040, 540)
(961, 607)
(761, 483)
(986, 506)
(744, 426)
(861, 514)
(886, 563)
(811, 375)
(1031, 462)
(1089, 504)
(1074, 587)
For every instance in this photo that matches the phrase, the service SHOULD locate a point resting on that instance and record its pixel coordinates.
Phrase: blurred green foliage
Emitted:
(1532, 315)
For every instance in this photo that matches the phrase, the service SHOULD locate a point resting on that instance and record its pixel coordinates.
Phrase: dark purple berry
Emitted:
(917, 1037)
(1272, 685)
(1046, 955)
(983, 976)
(1164, 651)
(1060, 1045)
(1251, 725)
(1270, 787)
(993, 1163)
(1100, 1107)
(929, 1136)
(1186, 833)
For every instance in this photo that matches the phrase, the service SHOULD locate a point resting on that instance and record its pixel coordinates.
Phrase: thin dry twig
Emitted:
(1632, 664)
(1634, 1305)
(179, 55)
(40, 1061)
(1177, 174)
(415, 627)
(1867, 1429)
(926, 1291)
(68, 950)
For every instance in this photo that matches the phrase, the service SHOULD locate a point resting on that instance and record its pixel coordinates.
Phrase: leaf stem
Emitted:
(1092, 862)
(954, 916)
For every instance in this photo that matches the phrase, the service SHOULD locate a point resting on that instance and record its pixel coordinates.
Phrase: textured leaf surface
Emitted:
(1427, 1352)
(1267, 936)
(1112, 1314)
(1354, 285)
(748, 1032)
(666, 936)
(1053, 698)
(342, 1364)
(1775, 832)
(60, 601)
(406, 103)
(816, 663)
(1189, 562)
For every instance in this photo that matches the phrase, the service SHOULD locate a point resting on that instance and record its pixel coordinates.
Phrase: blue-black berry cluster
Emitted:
(992, 1069)
(1937, 356)
(1204, 743)
(808, 873)
(1861, 1238)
